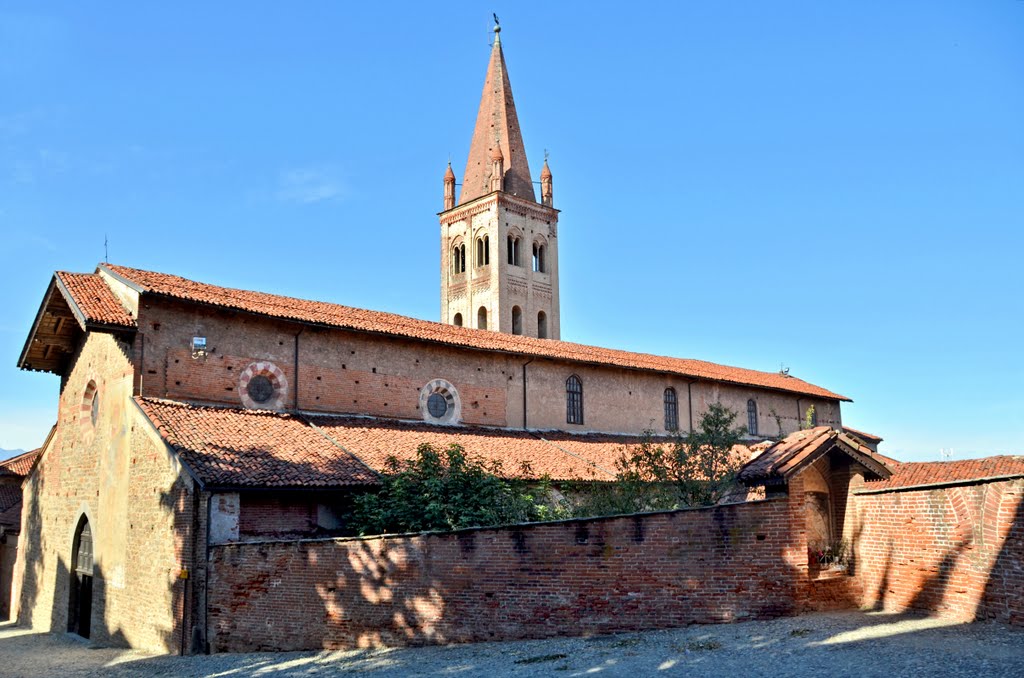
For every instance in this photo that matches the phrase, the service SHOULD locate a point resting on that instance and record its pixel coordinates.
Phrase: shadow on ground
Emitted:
(836, 644)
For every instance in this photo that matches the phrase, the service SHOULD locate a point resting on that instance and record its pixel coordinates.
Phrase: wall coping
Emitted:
(495, 528)
(936, 485)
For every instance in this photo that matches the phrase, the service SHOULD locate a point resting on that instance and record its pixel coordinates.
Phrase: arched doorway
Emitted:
(80, 586)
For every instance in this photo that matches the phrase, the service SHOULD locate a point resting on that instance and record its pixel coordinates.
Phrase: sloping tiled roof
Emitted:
(20, 465)
(929, 473)
(228, 447)
(249, 448)
(335, 315)
(866, 437)
(94, 299)
(800, 449)
(10, 506)
(522, 453)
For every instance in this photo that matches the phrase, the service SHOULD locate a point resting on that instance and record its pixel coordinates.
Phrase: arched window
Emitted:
(513, 250)
(517, 320)
(671, 410)
(752, 417)
(538, 257)
(573, 400)
(459, 259)
(542, 325)
(483, 251)
(457, 320)
(481, 318)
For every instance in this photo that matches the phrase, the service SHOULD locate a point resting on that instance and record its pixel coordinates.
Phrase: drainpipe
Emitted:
(206, 577)
(689, 403)
(142, 360)
(799, 417)
(296, 373)
(524, 390)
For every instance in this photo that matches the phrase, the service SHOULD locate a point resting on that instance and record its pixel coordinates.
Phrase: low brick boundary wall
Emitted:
(957, 551)
(645, 571)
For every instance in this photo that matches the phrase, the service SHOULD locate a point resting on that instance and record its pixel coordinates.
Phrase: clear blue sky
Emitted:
(837, 187)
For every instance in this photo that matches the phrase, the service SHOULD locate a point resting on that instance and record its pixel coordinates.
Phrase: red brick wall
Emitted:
(269, 515)
(639, 572)
(957, 551)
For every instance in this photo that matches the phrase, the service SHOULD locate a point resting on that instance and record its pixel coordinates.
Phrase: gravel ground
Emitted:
(828, 644)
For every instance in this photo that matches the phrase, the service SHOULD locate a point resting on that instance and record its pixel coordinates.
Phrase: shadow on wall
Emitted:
(599, 575)
(979, 576)
(120, 615)
(1003, 597)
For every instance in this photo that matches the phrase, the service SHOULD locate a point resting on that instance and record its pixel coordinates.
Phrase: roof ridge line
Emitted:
(334, 442)
(571, 454)
(351, 318)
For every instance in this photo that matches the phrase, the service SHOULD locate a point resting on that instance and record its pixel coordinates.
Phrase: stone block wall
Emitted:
(645, 571)
(957, 551)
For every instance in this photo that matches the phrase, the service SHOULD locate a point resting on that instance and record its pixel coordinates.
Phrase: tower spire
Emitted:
(497, 125)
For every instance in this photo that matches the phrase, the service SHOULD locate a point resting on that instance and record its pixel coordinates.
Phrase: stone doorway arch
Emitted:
(80, 586)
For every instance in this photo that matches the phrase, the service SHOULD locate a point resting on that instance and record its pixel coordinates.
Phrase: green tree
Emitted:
(684, 471)
(446, 490)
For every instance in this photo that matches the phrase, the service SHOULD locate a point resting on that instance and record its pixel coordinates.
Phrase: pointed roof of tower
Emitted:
(496, 123)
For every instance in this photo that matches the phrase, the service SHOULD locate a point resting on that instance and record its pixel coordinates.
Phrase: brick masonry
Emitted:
(138, 503)
(646, 571)
(957, 551)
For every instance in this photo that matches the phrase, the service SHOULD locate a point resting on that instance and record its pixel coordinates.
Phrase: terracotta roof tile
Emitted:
(94, 299)
(335, 315)
(866, 437)
(559, 456)
(10, 496)
(916, 474)
(802, 448)
(20, 465)
(250, 448)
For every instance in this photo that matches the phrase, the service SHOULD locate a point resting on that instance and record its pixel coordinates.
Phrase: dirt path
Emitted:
(832, 644)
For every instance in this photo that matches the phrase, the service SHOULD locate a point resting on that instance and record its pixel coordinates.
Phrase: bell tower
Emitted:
(499, 245)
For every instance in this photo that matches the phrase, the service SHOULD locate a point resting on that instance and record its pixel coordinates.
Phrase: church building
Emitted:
(192, 415)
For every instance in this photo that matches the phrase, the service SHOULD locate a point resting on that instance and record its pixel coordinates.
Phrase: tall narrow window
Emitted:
(479, 252)
(538, 257)
(542, 325)
(573, 400)
(812, 416)
(752, 417)
(513, 250)
(481, 318)
(487, 250)
(459, 259)
(517, 320)
(671, 410)
(457, 320)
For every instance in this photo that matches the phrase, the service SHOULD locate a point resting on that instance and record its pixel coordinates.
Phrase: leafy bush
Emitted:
(447, 490)
(684, 471)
